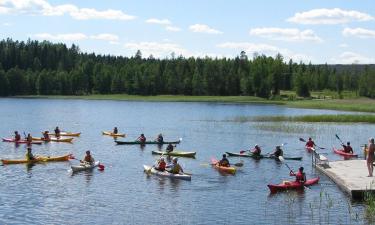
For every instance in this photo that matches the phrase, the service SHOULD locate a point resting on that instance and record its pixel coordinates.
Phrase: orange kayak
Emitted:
(230, 170)
(113, 134)
(66, 134)
(38, 159)
(54, 139)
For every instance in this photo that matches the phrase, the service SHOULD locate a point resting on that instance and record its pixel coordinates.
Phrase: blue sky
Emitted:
(316, 31)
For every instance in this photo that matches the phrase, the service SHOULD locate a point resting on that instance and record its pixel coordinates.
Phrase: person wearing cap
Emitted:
(169, 148)
(300, 176)
(29, 154)
(175, 168)
(17, 136)
(160, 138)
(46, 135)
(161, 164)
(57, 132)
(141, 138)
(278, 152)
(115, 130)
(348, 148)
(256, 151)
(224, 161)
(88, 158)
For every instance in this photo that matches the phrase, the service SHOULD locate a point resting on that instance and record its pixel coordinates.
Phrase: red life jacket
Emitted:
(300, 176)
(310, 144)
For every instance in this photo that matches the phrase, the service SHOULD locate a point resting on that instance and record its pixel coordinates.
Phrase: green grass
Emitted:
(348, 118)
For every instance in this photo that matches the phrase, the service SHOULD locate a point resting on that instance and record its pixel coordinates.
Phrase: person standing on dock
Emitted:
(370, 157)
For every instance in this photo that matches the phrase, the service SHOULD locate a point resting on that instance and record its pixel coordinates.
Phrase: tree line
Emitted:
(45, 68)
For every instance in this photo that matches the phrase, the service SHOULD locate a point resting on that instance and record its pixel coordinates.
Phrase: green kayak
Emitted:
(146, 143)
(250, 155)
(175, 153)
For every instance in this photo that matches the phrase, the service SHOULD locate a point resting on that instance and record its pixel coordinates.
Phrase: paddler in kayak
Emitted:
(17, 136)
(175, 168)
(88, 159)
(224, 161)
(278, 152)
(141, 138)
(256, 151)
(46, 136)
(300, 176)
(161, 164)
(29, 139)
(29, 154)
(115, 130)
(310, 143)
(160, 138)
(169, 148)
(57, 132)
(348, 148)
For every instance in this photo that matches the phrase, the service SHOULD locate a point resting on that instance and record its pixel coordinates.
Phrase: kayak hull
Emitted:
(38, 159)
(52, 139)
(250, 155)
(175, 153)
(291, 185)
(309, 149)
(84, 167)
(113, 134)
(68, 134)
(146, 143)
(150, 169)
(229, 170)
(21, 141)
(342, 153)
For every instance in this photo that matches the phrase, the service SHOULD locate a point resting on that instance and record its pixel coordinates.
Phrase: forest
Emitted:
(45, 68)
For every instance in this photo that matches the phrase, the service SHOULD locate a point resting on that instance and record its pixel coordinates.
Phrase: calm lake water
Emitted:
(124, 194)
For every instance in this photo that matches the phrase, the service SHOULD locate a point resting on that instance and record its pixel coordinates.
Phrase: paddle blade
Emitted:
(281, 158)
(180, 139)
(101, 167)
(242, 151)
(301, 139)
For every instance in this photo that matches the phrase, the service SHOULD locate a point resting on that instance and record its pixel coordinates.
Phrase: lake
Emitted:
(47, 193)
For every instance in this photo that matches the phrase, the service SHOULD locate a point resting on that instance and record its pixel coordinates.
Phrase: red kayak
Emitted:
(343, 153)
(287, 185)
(21, 141)
(310, 149)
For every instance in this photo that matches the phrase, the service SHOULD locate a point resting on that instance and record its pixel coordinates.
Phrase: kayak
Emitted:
(112, 134)
(251, 155)
(310, 149)
(152, 170)
(54, 139)
(147, 142)
(225, 169)
(38, 159)
(85, 166)
(287, 185)
(175, 153)
(21, 141)
(67, 134)
(341, 152)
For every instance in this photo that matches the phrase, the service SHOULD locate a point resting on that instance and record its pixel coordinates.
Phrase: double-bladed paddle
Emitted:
(303, 140)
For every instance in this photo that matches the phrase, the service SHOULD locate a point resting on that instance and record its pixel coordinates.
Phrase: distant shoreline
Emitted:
(352, 104)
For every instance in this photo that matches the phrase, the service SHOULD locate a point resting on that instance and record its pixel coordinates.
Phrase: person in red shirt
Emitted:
(17, 136)
(310, 143)
(348, 148)
(141, 138)
(161, 165)
(300, 176)
(256, 151)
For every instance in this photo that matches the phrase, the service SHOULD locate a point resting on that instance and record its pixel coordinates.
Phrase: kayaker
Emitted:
(175, 168)
(17, 136)
(256, 151)
(141, 138)
(160, 138)
(224, 161)
(29, 154)
(57, 132)
(46, 135)
(88, 158)
(169, 148)
(370, 157)
(310, 143)
(348, 148)
(278, 152)
(300, 176)
(161, 164)
(115, 130)
(29, 139)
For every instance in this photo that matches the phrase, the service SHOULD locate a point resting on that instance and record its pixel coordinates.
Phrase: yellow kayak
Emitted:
(38, 159)
(54, 139)
(113, 134)
(71, 134)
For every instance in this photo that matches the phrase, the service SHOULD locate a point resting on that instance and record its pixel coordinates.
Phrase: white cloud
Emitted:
(266, 49)
(156, 49)
(353, 58)
(105, 37)
(343, 45)
(62, 37)
(42, 7)
(329, 16)
(285, 34)
(202, 28)
(159, 21)
(172, 28)
(359, 32)
(6, 24)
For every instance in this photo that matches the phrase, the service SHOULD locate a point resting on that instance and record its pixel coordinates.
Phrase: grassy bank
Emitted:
(350, 104)
(313, 118)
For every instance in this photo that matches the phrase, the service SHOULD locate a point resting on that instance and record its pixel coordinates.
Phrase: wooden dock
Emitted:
(350, 175)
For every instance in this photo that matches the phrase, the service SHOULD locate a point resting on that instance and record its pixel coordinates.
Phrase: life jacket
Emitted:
(142, 139)
(17, 137)
(224, 162)
(300, 177)
(176, 169)
(169, 148)
(29, 156)
(348, 148)
(88, 158)
(310, 144)
(161, 166)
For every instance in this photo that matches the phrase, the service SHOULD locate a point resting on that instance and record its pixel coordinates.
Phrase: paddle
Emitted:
(100, 166)
(303, 140)
(342, 143)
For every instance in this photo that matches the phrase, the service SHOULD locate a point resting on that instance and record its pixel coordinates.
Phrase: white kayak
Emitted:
(152, 170)
(85, 166)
